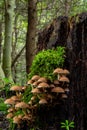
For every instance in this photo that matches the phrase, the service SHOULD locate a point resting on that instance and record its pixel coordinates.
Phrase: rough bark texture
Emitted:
(9, 9)
(71, 33)
(31, 32)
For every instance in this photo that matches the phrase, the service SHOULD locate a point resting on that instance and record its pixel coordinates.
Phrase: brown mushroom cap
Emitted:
(43, 101)
(56, 82)
(11, 109)
(35, 77)
(30, 82)
(33, 98)
(64, 96)
(43, 85)
(16, 88)
(42, 79)
(52, 86)
(9, 101)
(15, 98)
(27, 117)
(35, 83)
(9, 115)
(35, 91)
(58, 90)
(16, 120)
(65, 71)
(58, 71)
(64, 79)
(66, 89)
(21, 105)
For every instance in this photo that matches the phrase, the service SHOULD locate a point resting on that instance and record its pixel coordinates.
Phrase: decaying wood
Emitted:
(71, 33)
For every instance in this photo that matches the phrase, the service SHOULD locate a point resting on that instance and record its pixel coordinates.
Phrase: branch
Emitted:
(18, 55)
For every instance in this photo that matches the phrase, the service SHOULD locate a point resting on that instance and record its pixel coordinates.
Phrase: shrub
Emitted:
(46, 61)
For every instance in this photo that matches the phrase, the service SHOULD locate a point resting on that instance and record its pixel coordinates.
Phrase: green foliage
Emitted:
(3, 106)
(27, 94)
(67, 124)
(46, 61)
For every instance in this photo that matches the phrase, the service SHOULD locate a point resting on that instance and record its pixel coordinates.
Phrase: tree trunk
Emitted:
(0, 40)
(31, 32)
(9, 11)
(2, 76)
(71, 33)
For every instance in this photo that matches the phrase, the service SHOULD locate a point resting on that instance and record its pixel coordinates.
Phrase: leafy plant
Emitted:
(46, 61)
(3, 106)
(67, 125)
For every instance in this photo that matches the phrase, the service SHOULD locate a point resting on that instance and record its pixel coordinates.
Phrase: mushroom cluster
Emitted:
(44, 92)
(19, 111)
(48, 92)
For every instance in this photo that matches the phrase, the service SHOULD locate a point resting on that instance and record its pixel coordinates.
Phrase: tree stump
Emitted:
(72, 34)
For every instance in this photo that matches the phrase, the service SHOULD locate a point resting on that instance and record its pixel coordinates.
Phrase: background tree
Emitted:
(31, 33)
(9, 13)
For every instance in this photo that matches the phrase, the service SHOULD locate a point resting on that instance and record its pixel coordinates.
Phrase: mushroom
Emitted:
(27, 117)
(15, 98)
(9, 101)
(58, 71)
(42, 79)
(35, 77)
(16, 120)
(9, 115)
(58, 90)
(12, 109)
(22, 105)
(35, 91)
(56, 82)
(64, 79)
(35, 83)
(43, 101)
(17, 89)
(64, 96)
(66, 72)
(67, 90)
(30, 82)
(43, 85)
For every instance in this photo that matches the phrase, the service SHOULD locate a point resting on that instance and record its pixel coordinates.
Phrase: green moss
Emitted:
(46, 61)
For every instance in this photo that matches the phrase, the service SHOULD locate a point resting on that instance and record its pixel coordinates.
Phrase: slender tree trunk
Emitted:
(0, 40)
(9, 11)
(31, 31)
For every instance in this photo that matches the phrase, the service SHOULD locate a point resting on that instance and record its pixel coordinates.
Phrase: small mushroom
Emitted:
(43, 85)
(42, 79)
(43, 101)
(58, 71)
(58, 90)
(12, 109)
(66, 72)
(21, 105)
(9, 101)
(17, 89)
(56, 82)
(64, 79)
(35, 91)
(35, 77)
(15, 98)
(9, 115)
(35, 83)
(64, 96)
(16, 120)
(30, 82)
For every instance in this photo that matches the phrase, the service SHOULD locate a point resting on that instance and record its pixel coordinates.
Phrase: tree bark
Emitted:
(72, 34)
(9, 12)
(31, 32)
